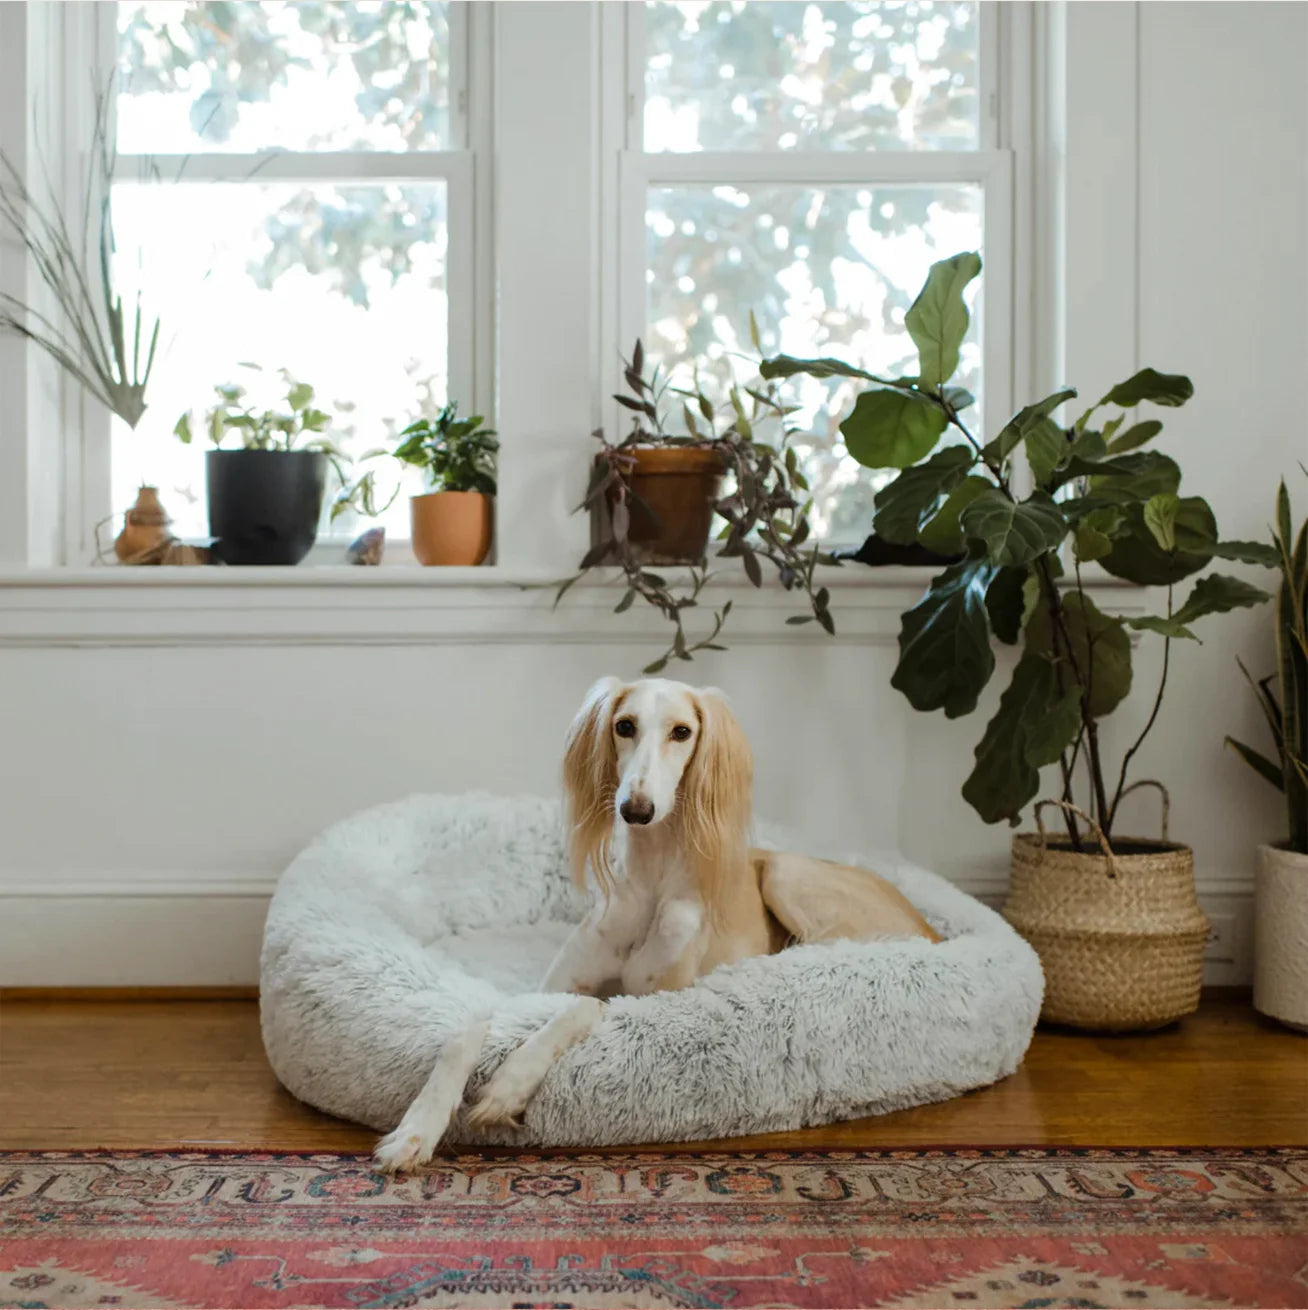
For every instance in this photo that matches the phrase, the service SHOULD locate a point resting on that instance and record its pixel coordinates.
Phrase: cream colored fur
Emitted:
(658, 778)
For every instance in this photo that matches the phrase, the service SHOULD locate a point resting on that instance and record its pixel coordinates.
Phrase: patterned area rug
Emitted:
(974, 1228)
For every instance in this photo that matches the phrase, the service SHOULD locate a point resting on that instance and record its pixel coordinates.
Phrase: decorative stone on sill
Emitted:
(367, 547)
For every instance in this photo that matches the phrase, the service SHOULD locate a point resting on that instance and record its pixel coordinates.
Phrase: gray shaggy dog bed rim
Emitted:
(400, 925)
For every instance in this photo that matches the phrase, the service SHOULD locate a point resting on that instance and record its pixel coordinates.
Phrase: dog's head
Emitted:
(653, 752)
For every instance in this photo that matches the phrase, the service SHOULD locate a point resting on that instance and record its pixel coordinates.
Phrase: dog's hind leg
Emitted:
(427, 1120)
(515, 1082)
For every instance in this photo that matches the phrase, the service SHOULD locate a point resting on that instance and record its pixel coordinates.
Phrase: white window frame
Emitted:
(552, 102)
(89, 39)
(1005, 88)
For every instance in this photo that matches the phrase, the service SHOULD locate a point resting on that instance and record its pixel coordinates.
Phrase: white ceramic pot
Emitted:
(1281, 936)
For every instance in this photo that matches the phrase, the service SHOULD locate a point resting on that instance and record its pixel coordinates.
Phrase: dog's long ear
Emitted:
(590, 779)
(716, 794)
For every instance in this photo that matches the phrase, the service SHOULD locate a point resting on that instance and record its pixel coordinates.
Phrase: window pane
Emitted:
(733, 75)
(317, 75)
(827, 271)
(344, 286)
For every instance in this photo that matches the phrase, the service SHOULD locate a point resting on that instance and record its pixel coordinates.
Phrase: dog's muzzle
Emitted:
(637, 810)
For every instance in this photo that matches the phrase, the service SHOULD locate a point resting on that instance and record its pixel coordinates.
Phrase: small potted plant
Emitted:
(653, 497)
(1281, 888)
(1114, 919)
(265, 498)
(454, 522)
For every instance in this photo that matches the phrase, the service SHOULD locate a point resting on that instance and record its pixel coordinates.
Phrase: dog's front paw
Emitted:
(502, 1104)
(410, 1146)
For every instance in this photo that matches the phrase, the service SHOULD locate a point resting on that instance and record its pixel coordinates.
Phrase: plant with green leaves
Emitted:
(765, 507)
(457, 454)
(106, 347)
(1286, 709)
(1095, 494)
(281, 429)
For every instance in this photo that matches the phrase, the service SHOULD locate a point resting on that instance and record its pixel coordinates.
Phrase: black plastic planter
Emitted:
(264, 505)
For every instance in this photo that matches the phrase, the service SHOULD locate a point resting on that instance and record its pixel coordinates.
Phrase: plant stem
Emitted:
(1158, 701)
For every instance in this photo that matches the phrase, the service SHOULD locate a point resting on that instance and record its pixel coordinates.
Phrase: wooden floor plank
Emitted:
(166, 1073)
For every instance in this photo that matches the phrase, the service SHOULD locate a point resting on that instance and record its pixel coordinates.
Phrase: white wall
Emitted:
(168, 748)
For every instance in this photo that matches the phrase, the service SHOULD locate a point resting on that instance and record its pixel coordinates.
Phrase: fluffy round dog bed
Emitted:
(400, 925)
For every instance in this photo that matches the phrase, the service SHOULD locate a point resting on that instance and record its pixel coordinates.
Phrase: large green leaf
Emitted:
(1050, 736)
(1005, 775)
(945, 658)
(907, 503)
(1094, 530)
(1247, 552)
(1162, 625)
(1135, 436)
(1005, 603)
(786, 366)
(1014, 533)
(1100, 649)
(1148, 384)
(1026, 421)
(937, 320)
(1217, 593)
(1046, 449)
(1159, 515)
(1123, 478)
(1137, 556)
(944, 533)
(891, 429)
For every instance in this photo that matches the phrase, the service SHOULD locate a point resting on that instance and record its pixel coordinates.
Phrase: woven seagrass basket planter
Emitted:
(1119, 933)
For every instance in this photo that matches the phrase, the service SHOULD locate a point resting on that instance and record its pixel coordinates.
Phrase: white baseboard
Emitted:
(205, 929)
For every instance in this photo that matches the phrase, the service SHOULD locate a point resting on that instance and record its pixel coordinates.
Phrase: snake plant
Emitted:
(1286, 707)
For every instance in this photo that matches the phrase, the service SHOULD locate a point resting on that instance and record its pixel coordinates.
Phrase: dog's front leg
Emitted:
(590, 957)
(514, 1083)
(670, 956)
(427, 1120)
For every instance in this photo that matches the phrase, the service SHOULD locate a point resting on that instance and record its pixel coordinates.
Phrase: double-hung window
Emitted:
(808, 162)
(294, 189)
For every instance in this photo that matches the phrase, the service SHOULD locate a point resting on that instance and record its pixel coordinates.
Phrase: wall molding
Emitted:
(396, 606)
(204, 929)
(188, 884)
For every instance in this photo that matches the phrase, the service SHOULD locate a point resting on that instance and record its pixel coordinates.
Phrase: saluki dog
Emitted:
(658, 778)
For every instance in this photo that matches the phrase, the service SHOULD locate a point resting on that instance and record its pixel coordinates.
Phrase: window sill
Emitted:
(348, 605)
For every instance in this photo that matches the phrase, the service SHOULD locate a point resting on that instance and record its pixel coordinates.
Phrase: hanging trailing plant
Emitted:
(765, 507)
(1095, 494)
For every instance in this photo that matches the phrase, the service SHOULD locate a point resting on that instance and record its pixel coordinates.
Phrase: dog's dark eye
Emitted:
(681, 733)
(625, 727)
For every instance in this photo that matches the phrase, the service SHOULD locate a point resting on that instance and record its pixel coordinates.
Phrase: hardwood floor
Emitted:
(165, 1073)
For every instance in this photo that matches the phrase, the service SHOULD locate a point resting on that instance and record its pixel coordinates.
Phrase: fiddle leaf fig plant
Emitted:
(1090, 491)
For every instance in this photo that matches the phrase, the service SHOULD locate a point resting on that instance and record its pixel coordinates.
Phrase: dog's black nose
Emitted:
(637, 811)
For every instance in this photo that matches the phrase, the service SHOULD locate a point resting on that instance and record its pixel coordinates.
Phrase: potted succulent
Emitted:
(454, 522)
(653, 497)
(1114, 919)
(1281, 887)
(265, 498)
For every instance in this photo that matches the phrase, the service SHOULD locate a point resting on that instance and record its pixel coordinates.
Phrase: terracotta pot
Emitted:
(452, 527)
(674, 489)
(1281, 936)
